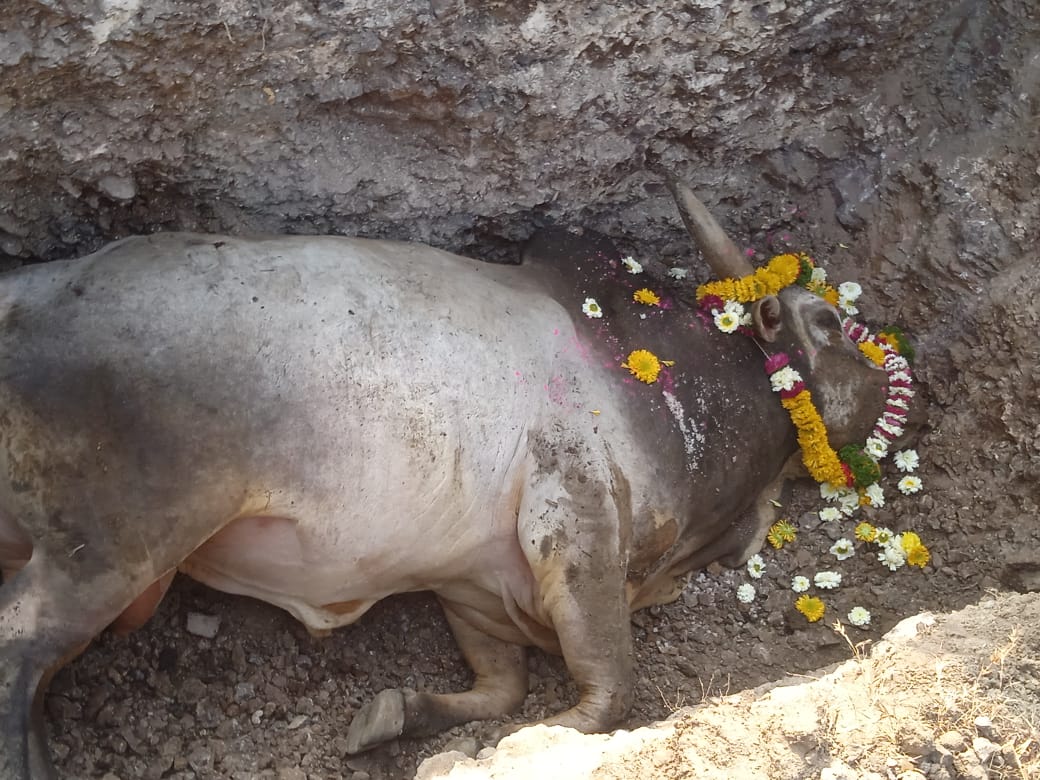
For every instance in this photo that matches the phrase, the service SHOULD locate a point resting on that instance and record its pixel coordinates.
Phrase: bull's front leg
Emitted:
(500, 687)
(574, 545)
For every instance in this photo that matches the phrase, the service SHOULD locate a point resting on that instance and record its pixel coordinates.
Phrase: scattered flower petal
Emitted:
(678, 273)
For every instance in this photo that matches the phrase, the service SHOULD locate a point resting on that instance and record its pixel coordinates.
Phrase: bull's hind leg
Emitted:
(500, 688)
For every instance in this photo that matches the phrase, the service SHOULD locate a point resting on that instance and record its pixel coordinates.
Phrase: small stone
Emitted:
(467, 745)
(984, 726)
(245, 691)
(953, 741)
(203, 625)
(984, 749)
(296, 722)
(291, 773)
(118, 187)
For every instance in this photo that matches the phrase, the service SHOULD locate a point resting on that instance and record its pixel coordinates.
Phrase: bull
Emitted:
(321, 422)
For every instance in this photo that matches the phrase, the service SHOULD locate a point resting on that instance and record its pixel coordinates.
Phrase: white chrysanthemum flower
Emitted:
(631, 265)
(678, 273)
(892, 556)
(883, 536)
(876, 447)
(819, 275)
(850, 290)
(591, 308)
(859, 616)
(746, 319)
(900, 376)
(849, 503)
(756, 567)
(842, 549)
(906, 460)
(899, 403)
(876, 495)
(827, 580)
(800, 584)
(727, 321)
(896, 362)
(846, 306)
(784, 379)
(746, 593)
(894, 390)
(829, 514)
(828, 492)
(733, 307)
(909, 485)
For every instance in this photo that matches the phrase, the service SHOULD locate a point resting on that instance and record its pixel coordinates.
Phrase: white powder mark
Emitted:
(693, 440)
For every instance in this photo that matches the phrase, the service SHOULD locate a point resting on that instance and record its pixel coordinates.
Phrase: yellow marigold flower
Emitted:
(831, 296)
(865, 532)
(643, 365)
(810, 606)
(780, 533)
(909, 540)
(873, 352)
(918, 556)
(647, 296)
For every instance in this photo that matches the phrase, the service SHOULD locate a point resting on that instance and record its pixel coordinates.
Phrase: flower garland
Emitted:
(854, 466)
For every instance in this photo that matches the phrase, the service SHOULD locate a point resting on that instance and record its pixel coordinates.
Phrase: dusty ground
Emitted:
(953, 696)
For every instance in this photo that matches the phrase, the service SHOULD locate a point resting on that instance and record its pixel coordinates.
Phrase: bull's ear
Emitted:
(765, 313)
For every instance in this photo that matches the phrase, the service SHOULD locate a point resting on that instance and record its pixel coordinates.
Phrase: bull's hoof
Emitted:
(379, 720)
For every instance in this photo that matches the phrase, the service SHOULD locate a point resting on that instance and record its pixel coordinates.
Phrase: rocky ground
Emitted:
(898, 142)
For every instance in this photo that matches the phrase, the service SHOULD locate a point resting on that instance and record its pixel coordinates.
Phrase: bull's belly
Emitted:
(327, 578)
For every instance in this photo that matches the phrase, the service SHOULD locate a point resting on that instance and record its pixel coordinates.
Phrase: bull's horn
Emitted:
(720, 252)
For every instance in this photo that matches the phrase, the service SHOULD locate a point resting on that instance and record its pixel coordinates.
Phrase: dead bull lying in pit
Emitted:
(323, 422)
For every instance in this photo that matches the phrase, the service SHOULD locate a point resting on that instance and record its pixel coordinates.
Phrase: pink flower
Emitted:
(775, 362)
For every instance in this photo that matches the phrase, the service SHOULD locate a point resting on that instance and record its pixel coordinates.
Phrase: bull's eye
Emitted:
(827, 320)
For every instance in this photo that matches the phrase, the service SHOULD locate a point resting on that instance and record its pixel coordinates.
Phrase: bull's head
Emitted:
(849, 390)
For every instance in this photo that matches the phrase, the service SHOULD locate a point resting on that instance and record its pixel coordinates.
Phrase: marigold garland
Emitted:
(778, 273)
(818, 456)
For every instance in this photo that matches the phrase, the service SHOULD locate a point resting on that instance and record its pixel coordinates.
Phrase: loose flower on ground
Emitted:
(643, 365)
(800, 584)
(842, 549)
(646, 296)
(830, 514)
(756, 567)
(865, 532)
(906, 460)
(859, 616)
(810, 606)
(780, 533)
(591, 308)
(909, 485)
(631, 265)
(828, 580)
(678, 273)
(746, 593)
